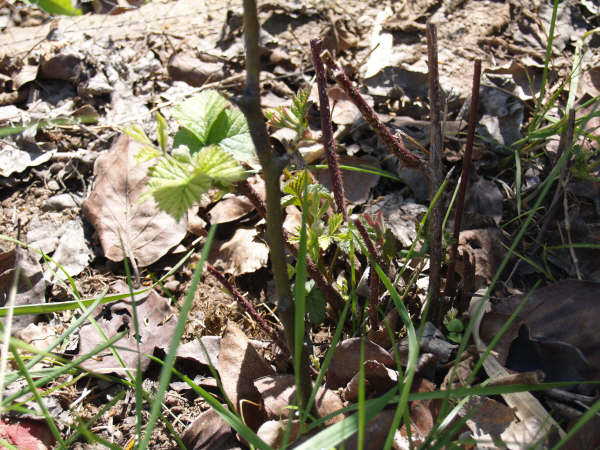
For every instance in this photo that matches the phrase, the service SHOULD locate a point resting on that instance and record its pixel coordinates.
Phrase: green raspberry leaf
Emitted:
(206, 119)
(199, 113)
(179, 180)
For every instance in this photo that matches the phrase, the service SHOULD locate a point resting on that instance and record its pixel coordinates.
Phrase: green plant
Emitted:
(208, 148)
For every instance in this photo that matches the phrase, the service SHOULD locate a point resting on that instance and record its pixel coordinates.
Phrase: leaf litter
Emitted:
(512, 46)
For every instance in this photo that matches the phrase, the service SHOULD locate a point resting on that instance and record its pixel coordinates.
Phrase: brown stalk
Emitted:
(374, 283)
(335, 175)
(272, 166)
(395, 145)
(435, 166)
(464, 180)
(255, 315)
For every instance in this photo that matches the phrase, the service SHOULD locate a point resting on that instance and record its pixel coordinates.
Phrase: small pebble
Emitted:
(60, 202)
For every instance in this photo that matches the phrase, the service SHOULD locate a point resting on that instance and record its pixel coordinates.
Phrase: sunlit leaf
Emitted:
(162, 131)
(62, 7)
(199, 113)
(179, 180)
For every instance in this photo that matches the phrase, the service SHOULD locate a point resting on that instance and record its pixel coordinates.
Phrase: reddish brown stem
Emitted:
(396, 146)
(373, 278)
(464, 179)
(255, 315)
(335, 175)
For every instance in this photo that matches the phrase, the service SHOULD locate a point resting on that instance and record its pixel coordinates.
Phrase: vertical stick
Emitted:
(435, 165)
(272, 166)
(327, 129)
(464, 179)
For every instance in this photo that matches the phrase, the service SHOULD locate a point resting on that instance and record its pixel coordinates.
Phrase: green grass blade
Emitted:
(38, 398)
(165, 374)
(300, 298)
(70, 365)
(363, 169)
(334, 434)
(12, 377)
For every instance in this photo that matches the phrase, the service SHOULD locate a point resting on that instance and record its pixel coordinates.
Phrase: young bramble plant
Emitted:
(294, 118)
(321, 231)
(208, 148)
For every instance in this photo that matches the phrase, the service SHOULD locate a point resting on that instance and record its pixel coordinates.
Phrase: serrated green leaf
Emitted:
(148, 151)
(335, 221)
(230, 132)
(178, 181)
(220, 166)
(206, 120)
(136, 132)
(162, 131)
(199, 113)
(146, 154)
(187, 138)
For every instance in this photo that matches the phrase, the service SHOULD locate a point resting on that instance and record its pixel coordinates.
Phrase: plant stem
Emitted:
(255, 315)
(327, 128)
(331, 295)
(435, 166)
(395, 145)
(373, 278)
(464, 179)
(272, 166)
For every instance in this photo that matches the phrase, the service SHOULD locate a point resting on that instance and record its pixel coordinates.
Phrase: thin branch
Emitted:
(395, 145)
(255, 315)
(272, 166)
(374, 282)
(464, 180)
(335, 175)
(435, 165)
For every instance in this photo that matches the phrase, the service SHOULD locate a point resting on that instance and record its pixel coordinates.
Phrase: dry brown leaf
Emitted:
(357, 185)
(487, 416)
(230, 208)
(272, 432)
(210, 432)
(113, 208)
(561, 327)
(195, 350)
(156, 321)
(30, 289)
(485, 245)
(243, 253)
(345, 362)
(378, 379)
(279, 392)
(239, 366)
